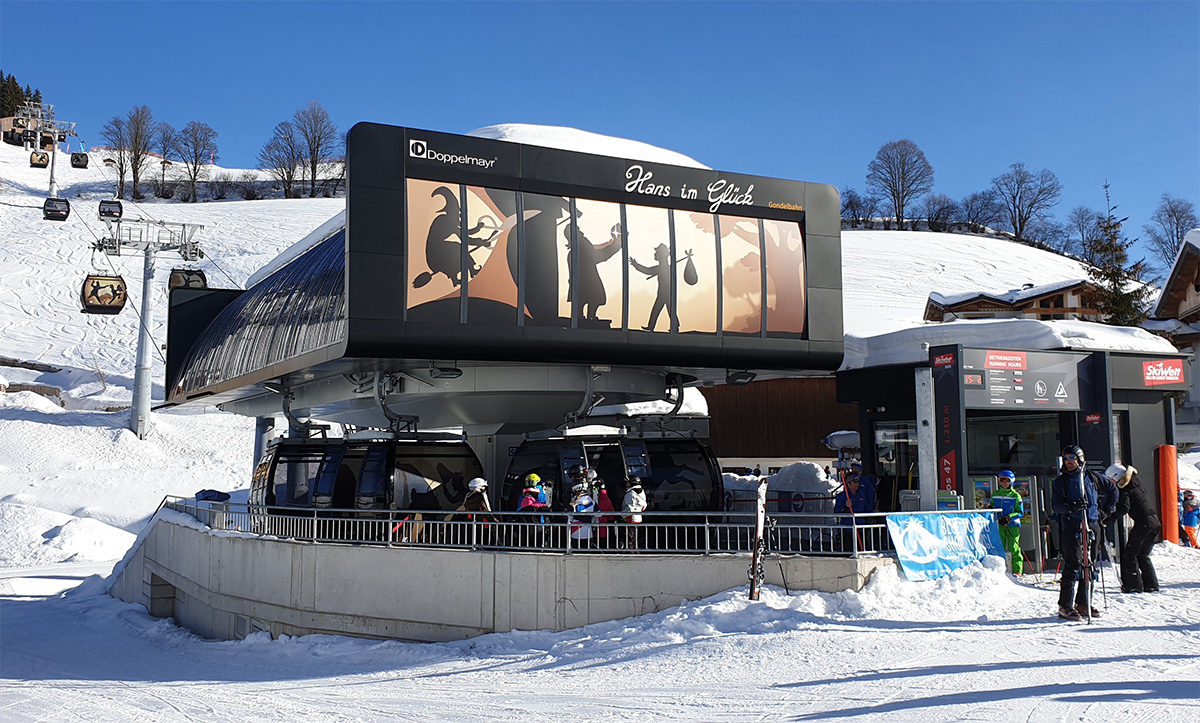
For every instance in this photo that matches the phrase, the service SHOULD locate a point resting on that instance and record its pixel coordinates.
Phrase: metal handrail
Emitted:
(668, 532)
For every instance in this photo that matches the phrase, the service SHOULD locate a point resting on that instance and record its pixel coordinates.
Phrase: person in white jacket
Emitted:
(632, 508)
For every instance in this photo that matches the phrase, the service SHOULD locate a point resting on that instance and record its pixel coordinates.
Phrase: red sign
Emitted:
(942, 360)
(1092, 419)
(1005, 360)
(1168, 371)
(947, 470)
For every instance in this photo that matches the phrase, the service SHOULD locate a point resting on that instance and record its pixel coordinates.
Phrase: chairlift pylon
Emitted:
(39, 159)
(56, 209)
(182, 278)
(102, 294)
(111, 209)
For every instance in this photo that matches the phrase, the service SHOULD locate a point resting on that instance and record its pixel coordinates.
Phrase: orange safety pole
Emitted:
(1168, 486)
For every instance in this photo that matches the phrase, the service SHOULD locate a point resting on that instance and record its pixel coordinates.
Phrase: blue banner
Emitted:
(930, 546)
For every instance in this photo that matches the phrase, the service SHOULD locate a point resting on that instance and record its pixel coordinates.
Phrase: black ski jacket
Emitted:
(1135, 500)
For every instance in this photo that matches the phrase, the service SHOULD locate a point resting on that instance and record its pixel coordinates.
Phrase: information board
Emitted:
(1025, 380)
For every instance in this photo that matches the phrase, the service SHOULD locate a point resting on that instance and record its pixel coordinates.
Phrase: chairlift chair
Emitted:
(102, 294)
(56, 209)
(187, 279)
(79, 160)
(111, 209)
(39, 159)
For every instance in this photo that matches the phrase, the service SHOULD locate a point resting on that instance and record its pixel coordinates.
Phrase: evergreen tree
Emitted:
(1121, 297)
(13, 97)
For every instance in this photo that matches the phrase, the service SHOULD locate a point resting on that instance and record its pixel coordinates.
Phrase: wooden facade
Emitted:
(777, 417)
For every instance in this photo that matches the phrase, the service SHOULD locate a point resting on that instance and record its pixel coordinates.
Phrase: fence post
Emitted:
(854, 533)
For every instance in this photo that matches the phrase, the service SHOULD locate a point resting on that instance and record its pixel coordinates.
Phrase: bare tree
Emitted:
(1083, 226)
(197, 150)
(939, 210)
(116, 136)
(979, 210)
(852, 207)
(140, 125)
(1026, 196)
(318, 137)
(281, 157)
(1170, 223)
(901, 174)
(164, 141)
(1049, 234)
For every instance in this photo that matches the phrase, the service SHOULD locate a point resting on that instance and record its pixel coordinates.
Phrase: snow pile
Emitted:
(34, 537)
(87, 464)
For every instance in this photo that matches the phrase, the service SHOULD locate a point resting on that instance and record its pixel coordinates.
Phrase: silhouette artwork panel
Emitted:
(696, 271)
(600, 269)
(741, 275)
(547, 238)
(786, 300)
(650, 276)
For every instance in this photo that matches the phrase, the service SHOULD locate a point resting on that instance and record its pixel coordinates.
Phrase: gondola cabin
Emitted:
(56, 209)
(103, 294)
(678, 474)
(111, 209)
(79, 160)
(39, 159)
(187, 279)
(29, 135)
(356, 476)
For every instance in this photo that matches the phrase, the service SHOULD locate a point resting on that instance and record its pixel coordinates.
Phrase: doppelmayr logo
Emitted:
(420, 149)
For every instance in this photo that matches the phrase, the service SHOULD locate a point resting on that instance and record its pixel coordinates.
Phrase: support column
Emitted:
(926, 439)
(139, 417)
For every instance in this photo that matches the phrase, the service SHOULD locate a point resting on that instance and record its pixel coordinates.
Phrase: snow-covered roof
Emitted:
(1183, 272)
(573, 139)
(1011, 297)
(905, 347)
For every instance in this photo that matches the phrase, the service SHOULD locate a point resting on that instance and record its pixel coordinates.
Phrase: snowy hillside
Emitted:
(76, 486)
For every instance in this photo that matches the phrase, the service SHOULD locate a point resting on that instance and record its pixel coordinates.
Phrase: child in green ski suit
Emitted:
(1008, 501)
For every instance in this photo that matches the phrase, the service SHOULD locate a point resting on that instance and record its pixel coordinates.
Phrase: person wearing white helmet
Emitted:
(480, 509)
(1137, 571)
(581, 520)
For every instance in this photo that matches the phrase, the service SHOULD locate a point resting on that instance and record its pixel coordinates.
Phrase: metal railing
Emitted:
(660, 532)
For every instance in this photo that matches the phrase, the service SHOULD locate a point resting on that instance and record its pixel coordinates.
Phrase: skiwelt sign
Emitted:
(930, 546)
(1167, 371)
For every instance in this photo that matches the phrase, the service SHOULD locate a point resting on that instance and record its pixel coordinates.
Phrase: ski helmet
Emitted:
(1075, 451)
(576, 471)
(532, 479)
(1008, 475)
(579, 487)
(478, 484)
(1115, 472)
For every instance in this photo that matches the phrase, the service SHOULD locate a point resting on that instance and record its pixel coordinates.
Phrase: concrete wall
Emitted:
(206, 581)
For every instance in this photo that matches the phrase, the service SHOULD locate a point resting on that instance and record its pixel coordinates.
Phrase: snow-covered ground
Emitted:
(76, 486)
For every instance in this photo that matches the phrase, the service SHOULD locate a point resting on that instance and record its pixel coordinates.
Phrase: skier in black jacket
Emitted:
(1074, 498)
(1137, 572)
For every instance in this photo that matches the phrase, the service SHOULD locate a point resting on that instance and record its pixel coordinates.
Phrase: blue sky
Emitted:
(1093, 91)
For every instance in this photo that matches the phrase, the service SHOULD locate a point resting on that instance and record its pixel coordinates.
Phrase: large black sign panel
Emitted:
(476, 249)
(1022, 380)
